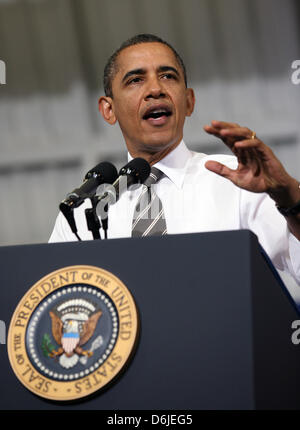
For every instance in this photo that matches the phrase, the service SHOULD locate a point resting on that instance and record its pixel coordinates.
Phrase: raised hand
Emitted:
(259, 170)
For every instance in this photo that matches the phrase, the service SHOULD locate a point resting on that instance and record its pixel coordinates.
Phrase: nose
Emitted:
(154, 89)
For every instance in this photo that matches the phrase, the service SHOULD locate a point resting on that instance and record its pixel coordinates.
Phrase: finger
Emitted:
(251, 151)
(230, 135)
(250, 158)
(248, 150)
(242, 156)
(216, 126)
(223, 124)
(237, 132)
(250, 143)
(254, 146)
(212, 130)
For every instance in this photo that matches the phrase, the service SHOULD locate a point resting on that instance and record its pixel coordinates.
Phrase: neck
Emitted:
(153, 157)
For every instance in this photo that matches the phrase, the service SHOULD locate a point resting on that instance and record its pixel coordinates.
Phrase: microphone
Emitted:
(104, 172)
(135, 172)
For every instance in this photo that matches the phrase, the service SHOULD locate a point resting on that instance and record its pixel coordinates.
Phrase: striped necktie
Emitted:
(148, 218)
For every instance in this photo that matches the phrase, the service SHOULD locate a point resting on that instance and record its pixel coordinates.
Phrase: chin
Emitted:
(159, 143)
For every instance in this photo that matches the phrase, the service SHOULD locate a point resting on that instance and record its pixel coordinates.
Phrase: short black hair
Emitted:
(110, 69)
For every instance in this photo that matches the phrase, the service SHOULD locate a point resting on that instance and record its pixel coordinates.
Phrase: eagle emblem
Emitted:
(73, 325)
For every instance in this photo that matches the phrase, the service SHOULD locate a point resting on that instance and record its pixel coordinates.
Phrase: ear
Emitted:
(105, 105)
(190, 101)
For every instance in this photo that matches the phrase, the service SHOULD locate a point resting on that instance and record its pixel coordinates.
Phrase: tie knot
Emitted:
(154, 177)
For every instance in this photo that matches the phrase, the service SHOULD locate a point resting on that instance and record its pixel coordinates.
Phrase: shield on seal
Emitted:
(69, 342)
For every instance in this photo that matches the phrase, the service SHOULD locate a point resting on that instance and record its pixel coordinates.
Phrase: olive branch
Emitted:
(47, 346)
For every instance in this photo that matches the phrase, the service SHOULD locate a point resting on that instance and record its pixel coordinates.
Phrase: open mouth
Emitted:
(157, 113)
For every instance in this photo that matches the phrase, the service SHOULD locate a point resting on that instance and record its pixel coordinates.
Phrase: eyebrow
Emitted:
(142, 71)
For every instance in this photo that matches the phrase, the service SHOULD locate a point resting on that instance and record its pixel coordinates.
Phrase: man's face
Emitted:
(150, 100)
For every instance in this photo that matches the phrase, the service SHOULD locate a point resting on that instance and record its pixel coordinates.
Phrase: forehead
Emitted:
(145, 55)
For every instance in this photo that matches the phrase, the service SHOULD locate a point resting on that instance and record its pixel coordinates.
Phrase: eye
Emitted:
(169, 76)
(134, 80)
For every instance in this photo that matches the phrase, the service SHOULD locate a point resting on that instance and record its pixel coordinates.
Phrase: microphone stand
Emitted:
(92, 220)
(69, 215)
(104, 221)
(103, 212)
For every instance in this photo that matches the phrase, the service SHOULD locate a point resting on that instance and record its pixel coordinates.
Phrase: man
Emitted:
(146, 93)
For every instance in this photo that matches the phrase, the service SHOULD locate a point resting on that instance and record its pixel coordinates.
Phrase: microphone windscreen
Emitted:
(106, 172)
(139, 167)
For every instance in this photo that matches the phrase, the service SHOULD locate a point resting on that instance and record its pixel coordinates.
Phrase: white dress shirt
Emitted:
(197, 200)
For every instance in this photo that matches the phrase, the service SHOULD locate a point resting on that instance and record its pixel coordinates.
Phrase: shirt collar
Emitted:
(174, 164)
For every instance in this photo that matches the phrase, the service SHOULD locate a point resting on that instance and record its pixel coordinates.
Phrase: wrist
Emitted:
(286, 196)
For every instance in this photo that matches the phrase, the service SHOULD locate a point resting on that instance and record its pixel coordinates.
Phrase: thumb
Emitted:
(219, 169)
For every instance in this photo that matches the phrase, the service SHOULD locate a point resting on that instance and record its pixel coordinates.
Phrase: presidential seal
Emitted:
(72, 333)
